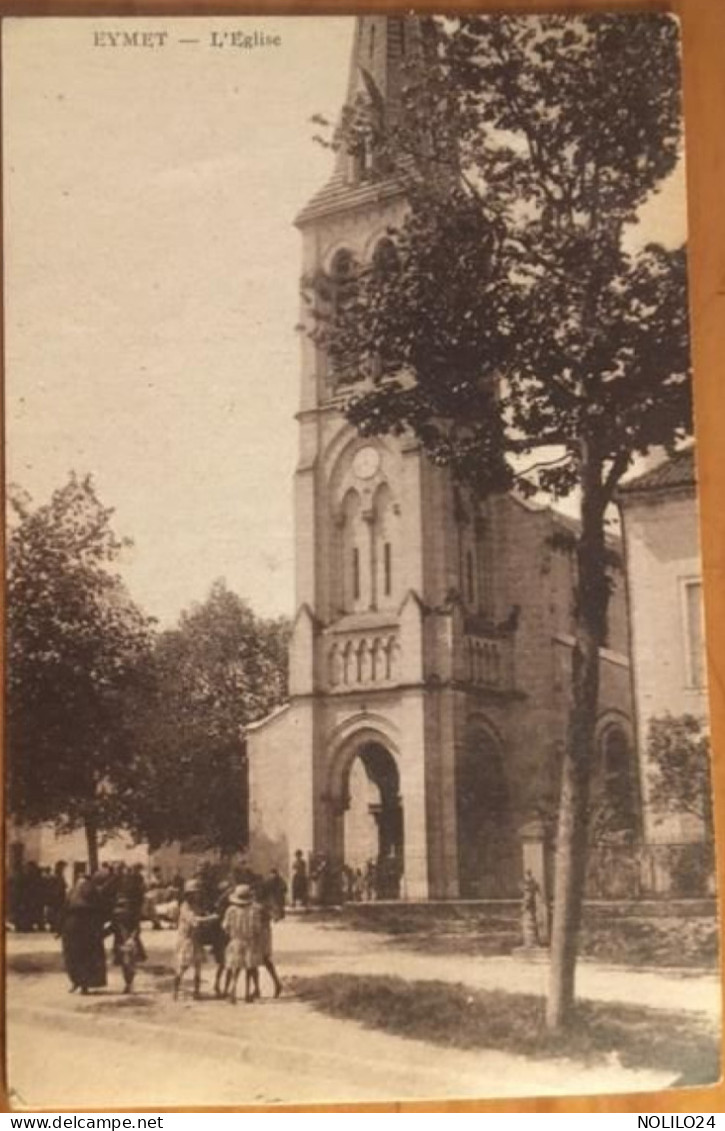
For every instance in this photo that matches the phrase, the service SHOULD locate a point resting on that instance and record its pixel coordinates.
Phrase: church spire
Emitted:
(380, 48)
(382, 45)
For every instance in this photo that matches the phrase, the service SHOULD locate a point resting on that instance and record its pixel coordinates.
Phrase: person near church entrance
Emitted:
(320, 882)
(300, 886)
(370, 881)
(530, 910)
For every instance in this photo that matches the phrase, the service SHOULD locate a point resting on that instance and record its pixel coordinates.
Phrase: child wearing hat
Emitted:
(189, 949)
(242, 926)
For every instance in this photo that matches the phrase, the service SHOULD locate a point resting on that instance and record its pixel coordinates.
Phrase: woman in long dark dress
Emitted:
(83, 951)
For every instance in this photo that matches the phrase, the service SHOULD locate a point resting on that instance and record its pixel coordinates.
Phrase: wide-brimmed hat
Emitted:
(241, 894)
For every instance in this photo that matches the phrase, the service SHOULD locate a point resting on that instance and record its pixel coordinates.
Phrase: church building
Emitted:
(431, 652)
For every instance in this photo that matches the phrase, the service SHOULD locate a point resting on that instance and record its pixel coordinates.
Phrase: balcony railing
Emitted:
(360, 658)
(489, 661)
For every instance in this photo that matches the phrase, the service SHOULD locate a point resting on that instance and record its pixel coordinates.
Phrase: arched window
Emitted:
(385, 265)
(615, 808)
(387, 569)
(384, 546)
(352, 542)
(485, 562)
(470, 589)
(343, 291)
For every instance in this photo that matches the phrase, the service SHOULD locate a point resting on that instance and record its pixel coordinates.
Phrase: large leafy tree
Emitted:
(78, 653)
(519, 329)
(220, 669)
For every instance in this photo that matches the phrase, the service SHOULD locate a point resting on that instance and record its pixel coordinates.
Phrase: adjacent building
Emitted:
(664, 574)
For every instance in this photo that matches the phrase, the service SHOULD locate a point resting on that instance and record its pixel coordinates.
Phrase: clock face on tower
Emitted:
(366, 462)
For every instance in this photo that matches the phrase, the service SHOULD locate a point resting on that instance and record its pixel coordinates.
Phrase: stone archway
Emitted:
(373, 818)
(489, 852)
(366, 810)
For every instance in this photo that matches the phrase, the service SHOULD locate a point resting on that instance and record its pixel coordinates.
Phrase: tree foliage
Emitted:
(219, 670)
(78, 651)
(521, 331)
(678, 751)
(517, 315)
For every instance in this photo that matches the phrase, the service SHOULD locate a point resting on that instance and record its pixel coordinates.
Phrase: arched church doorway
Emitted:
(373, 824)
(489, 853)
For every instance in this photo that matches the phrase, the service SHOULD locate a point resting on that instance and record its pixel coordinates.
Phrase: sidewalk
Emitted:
(149, 1050)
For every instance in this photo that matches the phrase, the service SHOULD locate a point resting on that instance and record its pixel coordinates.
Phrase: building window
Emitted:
(469, 577)
(385, 267)
(343, 291)
(388, 569)
(356, 574)
(614, 790)
(694, 633)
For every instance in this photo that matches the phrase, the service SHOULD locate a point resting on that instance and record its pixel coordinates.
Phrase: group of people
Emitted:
(36, 897)
(233, 918)
(323, 884)
(238, 930)
(108, 903)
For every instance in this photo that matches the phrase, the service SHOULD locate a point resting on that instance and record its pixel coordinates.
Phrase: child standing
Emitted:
(242, 925)
(189, 949)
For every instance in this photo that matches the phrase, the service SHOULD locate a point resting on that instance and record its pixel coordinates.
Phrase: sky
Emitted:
(152, 282)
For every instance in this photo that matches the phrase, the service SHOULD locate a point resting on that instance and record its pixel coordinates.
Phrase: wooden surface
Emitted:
(703, 35)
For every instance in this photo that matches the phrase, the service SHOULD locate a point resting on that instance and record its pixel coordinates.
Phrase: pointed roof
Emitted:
(676, 472)
(380, 47)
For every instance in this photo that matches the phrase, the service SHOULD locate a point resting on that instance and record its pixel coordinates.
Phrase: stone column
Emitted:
(369, 598)
(413, 793)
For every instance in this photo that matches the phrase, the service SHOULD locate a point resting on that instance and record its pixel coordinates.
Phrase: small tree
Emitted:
(77, 658)
(678, 753)
(219, 670)
(517, 331)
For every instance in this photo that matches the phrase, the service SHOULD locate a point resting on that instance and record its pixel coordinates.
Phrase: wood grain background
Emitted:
(703, 38)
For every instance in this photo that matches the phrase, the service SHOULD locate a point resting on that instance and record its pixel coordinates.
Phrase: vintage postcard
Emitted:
(357, 726)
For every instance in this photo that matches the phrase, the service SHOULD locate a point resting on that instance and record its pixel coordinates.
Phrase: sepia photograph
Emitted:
(357, 732)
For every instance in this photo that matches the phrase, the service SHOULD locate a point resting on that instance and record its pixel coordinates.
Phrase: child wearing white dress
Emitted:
(189, 950)
(243, 927)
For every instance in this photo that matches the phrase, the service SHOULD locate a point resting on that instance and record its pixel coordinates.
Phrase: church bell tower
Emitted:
(395, 753)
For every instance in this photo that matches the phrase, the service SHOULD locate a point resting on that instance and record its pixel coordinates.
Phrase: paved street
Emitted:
(147, 1050)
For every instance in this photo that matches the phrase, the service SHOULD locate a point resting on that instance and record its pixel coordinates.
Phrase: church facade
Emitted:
(431, 651)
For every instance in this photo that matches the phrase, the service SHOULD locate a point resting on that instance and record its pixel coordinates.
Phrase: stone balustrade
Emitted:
(361, 659)
(490, 661)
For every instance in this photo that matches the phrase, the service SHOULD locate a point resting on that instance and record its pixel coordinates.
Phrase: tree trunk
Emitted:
(571, 848)
(92, 843)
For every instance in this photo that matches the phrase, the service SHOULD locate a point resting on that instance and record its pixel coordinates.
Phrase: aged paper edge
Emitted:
(703, 40)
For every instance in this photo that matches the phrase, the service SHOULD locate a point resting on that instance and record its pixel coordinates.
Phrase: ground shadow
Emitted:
(454, 1015)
